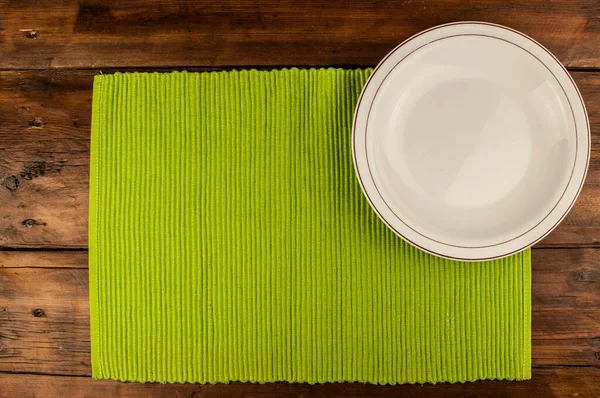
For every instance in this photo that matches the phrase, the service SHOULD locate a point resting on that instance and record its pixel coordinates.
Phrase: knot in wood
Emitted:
(11, 183)
(38, 313)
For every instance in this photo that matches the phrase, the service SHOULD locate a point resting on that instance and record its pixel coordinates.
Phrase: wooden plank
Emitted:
(44, 321)
(44, 162)
(561, 382)
(43, 259)
(44, 158)
(80, 34)
(44, 314)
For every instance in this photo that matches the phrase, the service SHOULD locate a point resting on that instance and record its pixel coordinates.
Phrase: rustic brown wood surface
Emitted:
(44, 259)
(44, 162)
(133, 33)
(45, 316)
(49, 53)
(555, 382)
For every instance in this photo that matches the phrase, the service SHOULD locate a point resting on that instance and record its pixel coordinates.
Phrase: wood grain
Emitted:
(44, 321)
(44, 314)
(135, 33)
(43, 259)
(44, 162)
(562, 382)
(44, 158)
(44, 168)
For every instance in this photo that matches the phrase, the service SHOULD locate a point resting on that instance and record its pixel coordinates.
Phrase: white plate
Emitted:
(471, 141)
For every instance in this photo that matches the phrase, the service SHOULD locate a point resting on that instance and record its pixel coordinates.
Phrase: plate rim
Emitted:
(581, 176)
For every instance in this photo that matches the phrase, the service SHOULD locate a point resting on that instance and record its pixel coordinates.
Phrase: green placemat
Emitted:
(229, 240)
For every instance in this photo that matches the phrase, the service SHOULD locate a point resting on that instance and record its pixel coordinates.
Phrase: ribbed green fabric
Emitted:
(229, 240)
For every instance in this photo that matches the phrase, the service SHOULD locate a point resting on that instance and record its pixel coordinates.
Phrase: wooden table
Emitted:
(49, 53)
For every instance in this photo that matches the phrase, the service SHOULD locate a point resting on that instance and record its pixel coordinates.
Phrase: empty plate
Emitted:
(471, 141)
